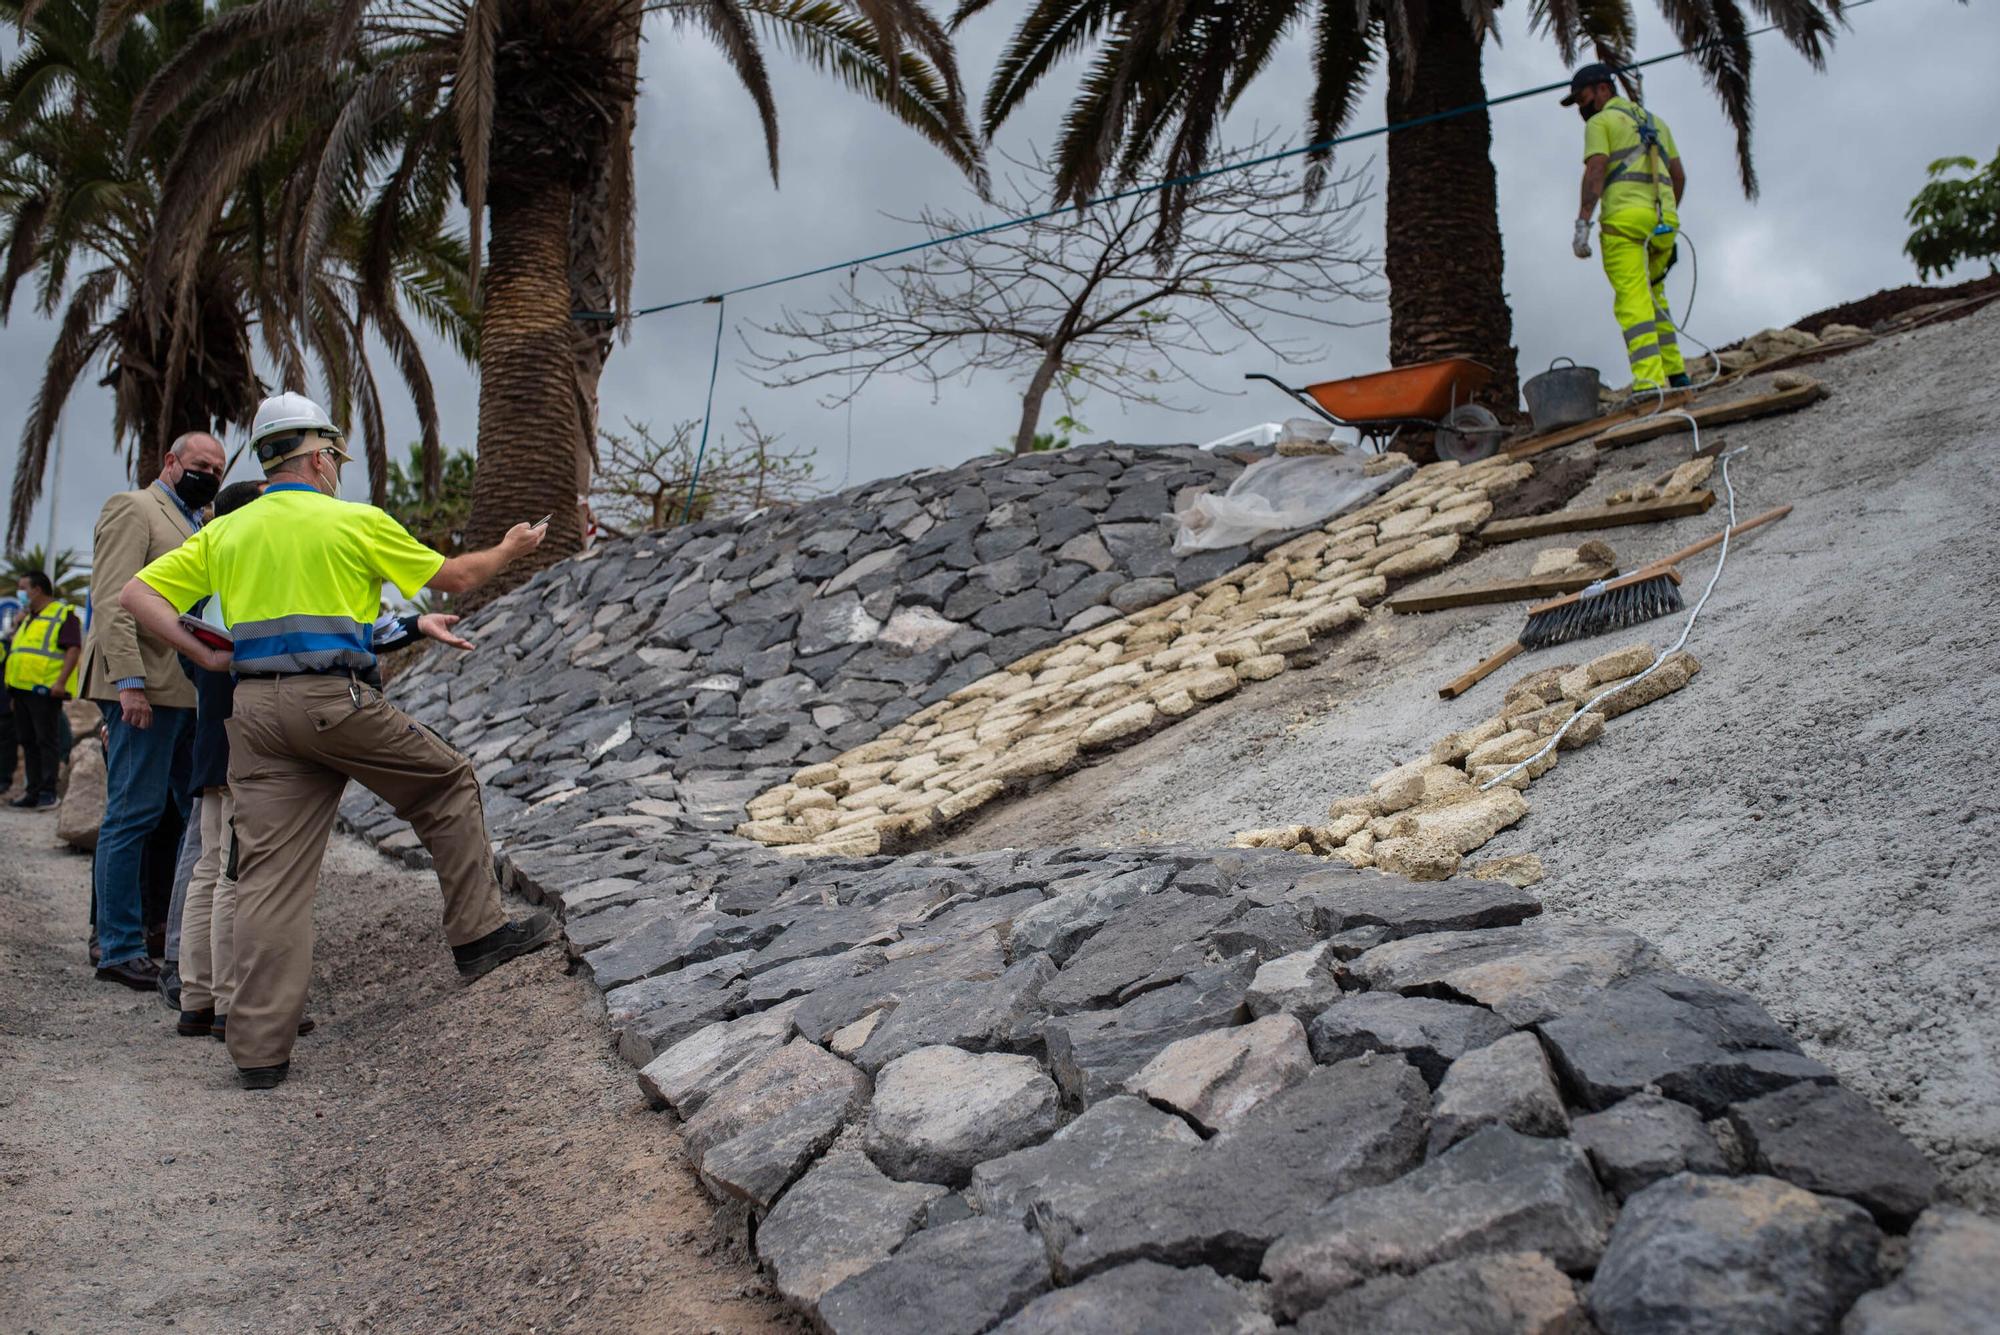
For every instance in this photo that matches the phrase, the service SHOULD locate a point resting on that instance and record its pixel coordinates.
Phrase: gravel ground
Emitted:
(444, 1158)
(1810, 820)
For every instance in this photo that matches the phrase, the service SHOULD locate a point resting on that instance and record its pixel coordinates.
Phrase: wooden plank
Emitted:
(1569, 435)
(1596, 516)
(1716, 414)
(1505, 591)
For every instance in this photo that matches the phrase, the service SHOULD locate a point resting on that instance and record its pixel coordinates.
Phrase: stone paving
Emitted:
(1227, 1089)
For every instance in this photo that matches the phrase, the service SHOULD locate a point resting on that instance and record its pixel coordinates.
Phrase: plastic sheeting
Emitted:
(1279, 494)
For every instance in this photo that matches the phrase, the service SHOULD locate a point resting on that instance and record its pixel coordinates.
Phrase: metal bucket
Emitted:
(1562, 395)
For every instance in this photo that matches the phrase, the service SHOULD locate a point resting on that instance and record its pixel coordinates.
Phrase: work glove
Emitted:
(1579, 242)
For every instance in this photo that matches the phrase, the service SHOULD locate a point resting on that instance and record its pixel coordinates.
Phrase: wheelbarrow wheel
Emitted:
(1469, 433)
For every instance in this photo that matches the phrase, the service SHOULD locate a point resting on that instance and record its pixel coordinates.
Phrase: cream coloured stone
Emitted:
(1545, 684)
(1340, 828)
(1505, 749)
(1544, 721)
(1623, 662)
(1364, 590)
(816, 776)
(1462, 517)
(1486, 774)
(1468, 823)
(1288, 640)
(1175, 703)
(1327, 619)
(1262, 668)
(1365, 806)
(773, 832)
(1673, 674)
(1575, 685)
(968, 799)
(1403, 523)
(819, 820)
(1454, 746)
(1520, 871)
(1690, 475)
(1584, 731)
(1419, 857)
(1555, 561)
(1120, 723)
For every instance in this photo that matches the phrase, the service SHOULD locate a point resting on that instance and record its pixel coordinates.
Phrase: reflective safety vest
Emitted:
(34, 661)
(1638, 145)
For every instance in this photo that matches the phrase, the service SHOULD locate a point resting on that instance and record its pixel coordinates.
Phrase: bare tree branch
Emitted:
(1088, 301)
(645, 480)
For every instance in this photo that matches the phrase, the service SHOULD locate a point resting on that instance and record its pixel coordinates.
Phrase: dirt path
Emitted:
(444, 1158)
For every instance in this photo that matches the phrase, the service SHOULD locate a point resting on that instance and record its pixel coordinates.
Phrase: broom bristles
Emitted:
(1615, 609)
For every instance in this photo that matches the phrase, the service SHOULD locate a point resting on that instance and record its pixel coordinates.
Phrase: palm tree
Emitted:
(1166, 71)
(169, 267)
(532, 103)
(70, 576)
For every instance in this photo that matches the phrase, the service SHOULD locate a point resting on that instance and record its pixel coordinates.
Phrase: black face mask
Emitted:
(197, 489)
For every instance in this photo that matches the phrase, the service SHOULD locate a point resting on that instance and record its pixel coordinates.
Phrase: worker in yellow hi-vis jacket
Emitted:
(1631, 166)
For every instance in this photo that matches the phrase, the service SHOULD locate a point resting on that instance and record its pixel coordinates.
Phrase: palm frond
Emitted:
(1343, 57)
(79, 338)
(472, 112)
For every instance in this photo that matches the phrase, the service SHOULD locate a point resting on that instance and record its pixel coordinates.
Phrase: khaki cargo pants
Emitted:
(294, 742)
(208, 915)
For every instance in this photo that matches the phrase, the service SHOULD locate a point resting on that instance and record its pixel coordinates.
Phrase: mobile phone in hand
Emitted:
(543, 520)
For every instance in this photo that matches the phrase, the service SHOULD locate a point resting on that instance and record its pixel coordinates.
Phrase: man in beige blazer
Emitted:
(137, 682)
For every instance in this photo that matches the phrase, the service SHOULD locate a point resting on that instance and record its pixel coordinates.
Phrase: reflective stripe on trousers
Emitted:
(1636, 263)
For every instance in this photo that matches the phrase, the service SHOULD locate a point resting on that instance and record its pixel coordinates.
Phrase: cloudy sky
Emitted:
(1839, 154)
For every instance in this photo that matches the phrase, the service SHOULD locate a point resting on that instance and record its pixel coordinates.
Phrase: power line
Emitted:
(1133, 192)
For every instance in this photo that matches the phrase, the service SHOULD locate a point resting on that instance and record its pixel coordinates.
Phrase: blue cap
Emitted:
(1587, 77)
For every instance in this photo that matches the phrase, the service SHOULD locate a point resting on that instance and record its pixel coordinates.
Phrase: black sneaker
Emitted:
(170, 985)
(196, 1024)
(218, 1029)
(47, 800)
(263, 1077)
(141, 975)
(1679, 380)
(476, 959)
(25, 801)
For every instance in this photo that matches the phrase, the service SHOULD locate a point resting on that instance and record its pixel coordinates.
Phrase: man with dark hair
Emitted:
(41, 674)
(1632, 166)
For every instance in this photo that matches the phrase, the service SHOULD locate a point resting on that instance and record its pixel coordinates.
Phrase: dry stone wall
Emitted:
(1089, 1089)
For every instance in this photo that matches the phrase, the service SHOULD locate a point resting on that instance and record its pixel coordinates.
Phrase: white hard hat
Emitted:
(281, 419)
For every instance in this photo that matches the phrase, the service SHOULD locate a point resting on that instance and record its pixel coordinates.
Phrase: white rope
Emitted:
(1687, 627)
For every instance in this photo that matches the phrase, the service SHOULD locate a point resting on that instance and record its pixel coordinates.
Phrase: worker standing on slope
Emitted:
(300, 576)
(1631, 165)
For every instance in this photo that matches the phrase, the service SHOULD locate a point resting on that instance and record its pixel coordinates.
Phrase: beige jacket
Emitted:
(134, 527)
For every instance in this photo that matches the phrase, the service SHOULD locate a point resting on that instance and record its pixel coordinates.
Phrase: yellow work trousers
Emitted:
(294, 742)
(1636, 263)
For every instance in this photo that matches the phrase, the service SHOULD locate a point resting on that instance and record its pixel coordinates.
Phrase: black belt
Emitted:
(352, 674)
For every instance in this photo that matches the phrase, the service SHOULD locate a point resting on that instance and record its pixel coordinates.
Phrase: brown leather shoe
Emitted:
(141, 975)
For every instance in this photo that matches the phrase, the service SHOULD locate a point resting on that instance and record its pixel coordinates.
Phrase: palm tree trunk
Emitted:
(1444, 257)
(529, 431)
(1031, 400)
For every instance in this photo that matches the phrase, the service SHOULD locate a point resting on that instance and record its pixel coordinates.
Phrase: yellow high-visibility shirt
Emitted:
(300, 575)
(35, 657)
(1634, 175)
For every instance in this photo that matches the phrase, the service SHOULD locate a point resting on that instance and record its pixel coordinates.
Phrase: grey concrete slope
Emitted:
(1089, 1089)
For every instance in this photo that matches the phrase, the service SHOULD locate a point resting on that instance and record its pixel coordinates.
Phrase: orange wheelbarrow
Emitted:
(1435, 396)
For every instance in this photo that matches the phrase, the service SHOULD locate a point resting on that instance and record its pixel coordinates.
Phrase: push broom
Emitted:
(1649, 592)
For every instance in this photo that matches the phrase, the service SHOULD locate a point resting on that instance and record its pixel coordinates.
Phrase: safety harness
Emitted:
(1654, 158)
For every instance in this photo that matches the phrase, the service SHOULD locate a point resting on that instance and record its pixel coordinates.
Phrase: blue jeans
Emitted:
(138, 784)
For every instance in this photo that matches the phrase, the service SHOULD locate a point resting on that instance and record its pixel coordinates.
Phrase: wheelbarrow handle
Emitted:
(1298, 394)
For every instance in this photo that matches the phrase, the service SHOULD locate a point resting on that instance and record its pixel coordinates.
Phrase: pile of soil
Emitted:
(1891, 302)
